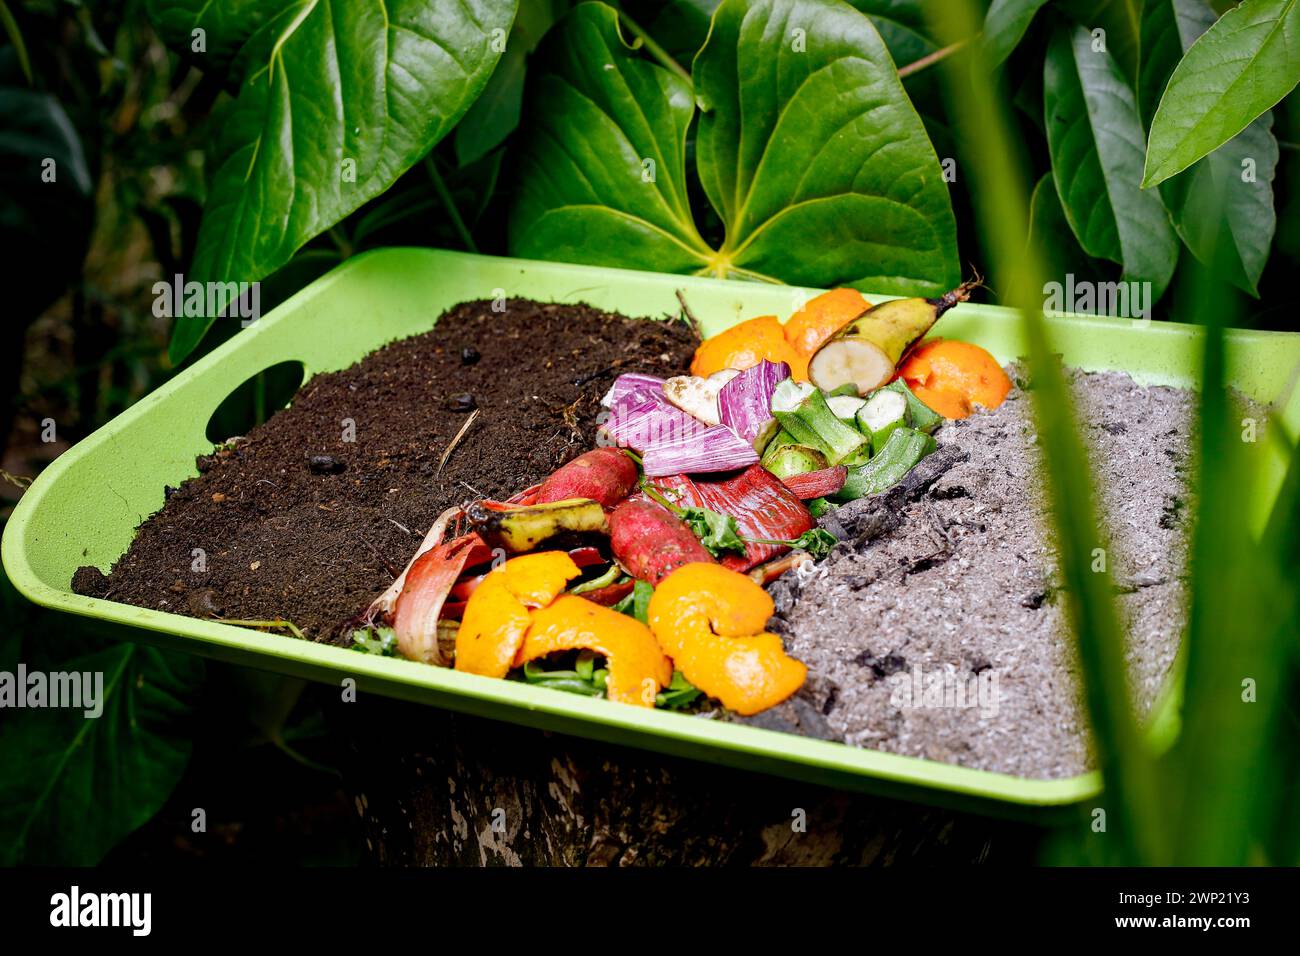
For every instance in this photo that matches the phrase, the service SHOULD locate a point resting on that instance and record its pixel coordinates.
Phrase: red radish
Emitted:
(650, 541)
(817, 484)
(604, 475)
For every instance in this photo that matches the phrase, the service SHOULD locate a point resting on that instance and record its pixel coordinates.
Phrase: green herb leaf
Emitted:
(818, 542)
(718, 533)
(337, 101)
(641, 594)
(1094, 136)
(677, 694)
(808, 142)
(602, 168)
(625, 605)
(381, 641)
(1242, 65)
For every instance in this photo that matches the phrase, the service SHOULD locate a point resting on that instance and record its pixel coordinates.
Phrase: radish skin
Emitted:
(650, 542)
(604, 475)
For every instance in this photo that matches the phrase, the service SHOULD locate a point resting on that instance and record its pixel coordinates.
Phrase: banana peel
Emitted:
(520, 530)
(866, 352)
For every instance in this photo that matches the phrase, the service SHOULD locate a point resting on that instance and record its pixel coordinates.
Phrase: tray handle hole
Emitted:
(255, 400)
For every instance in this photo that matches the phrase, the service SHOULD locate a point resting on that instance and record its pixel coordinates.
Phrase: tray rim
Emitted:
(776, 752)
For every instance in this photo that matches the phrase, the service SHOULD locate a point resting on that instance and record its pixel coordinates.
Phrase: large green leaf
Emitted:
(1004, 27)
(1242, 65)
(1053, 241)
(901, 24)
(602, 171)
(338, 100)
(1094, 137)
(495, 114)
(71, 787)
(1222, 206)
(211, 33)
(829, 179)
(813, 156)
(1114, 23)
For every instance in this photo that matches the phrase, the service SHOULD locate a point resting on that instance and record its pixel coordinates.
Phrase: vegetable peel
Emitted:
(497, 614)
(711, 621)
(638, 669)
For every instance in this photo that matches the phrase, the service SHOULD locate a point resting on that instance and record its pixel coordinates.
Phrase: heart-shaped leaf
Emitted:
(1242, 65)
(338, 100)
(602, 171)
(813, 156)
(1004, 27)
(1094, 137)
(1222, 206)
(807, 147)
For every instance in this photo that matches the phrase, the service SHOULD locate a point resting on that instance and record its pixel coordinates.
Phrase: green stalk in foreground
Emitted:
(1132, 812)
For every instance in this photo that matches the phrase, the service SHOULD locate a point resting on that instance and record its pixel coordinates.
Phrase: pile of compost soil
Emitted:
(296, 523)
(950, 577)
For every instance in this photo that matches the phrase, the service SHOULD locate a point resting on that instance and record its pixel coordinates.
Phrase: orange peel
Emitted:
(710, 620)
(810, 328)
(744, 346)
(638, 669)
(954, 377)
(498, 613)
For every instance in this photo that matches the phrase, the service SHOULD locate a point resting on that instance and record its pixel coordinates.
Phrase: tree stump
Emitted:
(435, 788)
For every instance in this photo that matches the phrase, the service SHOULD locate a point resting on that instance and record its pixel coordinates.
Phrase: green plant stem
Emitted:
(653, 493)
(930, 59)
(444, 195)
(651, 47)
(340, 241)
(277, 623)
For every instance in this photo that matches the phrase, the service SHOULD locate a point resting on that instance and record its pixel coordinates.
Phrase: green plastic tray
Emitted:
(84, 508)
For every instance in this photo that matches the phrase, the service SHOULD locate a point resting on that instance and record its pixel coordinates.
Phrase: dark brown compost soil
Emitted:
(296, 522)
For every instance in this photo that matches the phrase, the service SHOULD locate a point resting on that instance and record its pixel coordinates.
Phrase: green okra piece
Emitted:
(812, 423)
(794, 460)
(880, 415)
(900, 454)
(919, 415)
